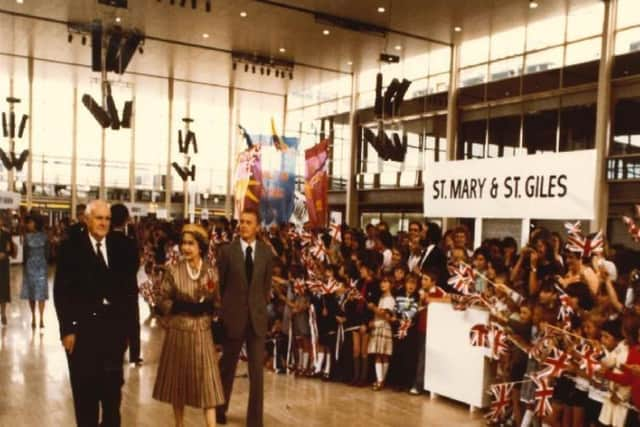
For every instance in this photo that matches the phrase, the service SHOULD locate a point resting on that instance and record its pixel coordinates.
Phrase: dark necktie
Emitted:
(103, 262)
(248, 264)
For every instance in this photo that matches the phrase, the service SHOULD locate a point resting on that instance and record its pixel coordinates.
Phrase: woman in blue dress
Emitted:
(35, 285)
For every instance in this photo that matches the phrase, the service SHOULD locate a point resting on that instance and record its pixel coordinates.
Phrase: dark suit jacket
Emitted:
(127, 257)
(80, 288)
(436, 261)
(242, 302)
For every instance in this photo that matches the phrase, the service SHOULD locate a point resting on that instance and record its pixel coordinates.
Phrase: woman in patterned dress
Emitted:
(35, 287)
(188, 372)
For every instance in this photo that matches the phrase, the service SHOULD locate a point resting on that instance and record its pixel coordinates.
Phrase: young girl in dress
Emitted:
(381, 342)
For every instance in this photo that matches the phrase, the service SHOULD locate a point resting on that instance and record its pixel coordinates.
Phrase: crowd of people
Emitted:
(351, 305)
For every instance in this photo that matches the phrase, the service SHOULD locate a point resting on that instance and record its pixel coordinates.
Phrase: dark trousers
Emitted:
(93, 387)
(419, 379)
(133, 329)
(228, 364)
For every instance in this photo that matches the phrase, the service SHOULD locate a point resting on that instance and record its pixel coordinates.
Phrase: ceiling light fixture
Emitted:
(118, 19)
(398, 47)
(457, 29)
(533, 4)
(243, 14)
(282, 50)
(326, 32)
(19, 1)
(381, 9)
(350, 63)
(205, 36)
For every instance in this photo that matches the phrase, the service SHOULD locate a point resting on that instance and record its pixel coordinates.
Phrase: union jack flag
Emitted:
(542, 396)
(589, 359)
(172, 256)
(462, 279)
(497, 341)
(555, 363)
(479, 336)
(632, 228)
(314, 285)
(586, 246)
(353, 289)
(462, 302)
(403, 329)
(319, 250)
(330, 287)
(573, 229)
(336, 232)
(500, 401)
(147, 292)
(299, 287)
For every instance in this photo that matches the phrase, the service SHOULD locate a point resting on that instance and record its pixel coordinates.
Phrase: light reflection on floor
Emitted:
(35, 391)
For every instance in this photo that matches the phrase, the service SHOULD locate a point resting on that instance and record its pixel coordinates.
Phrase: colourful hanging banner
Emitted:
(248, 188)
(316, 184)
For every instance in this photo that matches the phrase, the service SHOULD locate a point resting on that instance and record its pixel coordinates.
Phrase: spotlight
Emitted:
(205, 36)
(118, 19)
(533, 4)
(326, 32)
(398, 47)
(246, 68)
(19, 1)
(70, 38)
(350, 63)
(84, 40)
(282, 50)
(457, 29)
(243, 14)
(381, 9)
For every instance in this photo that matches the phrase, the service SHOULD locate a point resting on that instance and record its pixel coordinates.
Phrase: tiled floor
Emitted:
(35, 391)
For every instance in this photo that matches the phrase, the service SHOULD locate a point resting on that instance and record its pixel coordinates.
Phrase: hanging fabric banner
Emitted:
(316, 184)
(266, 177)
(248, 188)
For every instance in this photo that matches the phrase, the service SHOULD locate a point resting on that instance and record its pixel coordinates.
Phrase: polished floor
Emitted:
(35, 391)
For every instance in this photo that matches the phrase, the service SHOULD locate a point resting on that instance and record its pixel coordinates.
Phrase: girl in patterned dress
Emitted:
(381, 342)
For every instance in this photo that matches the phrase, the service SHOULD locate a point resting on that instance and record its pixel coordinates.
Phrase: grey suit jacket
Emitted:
(243, 303)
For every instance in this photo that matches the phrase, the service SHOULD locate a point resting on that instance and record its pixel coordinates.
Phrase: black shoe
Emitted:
(221, 418)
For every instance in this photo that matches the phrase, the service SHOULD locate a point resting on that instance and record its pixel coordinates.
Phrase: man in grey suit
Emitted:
(245, 283)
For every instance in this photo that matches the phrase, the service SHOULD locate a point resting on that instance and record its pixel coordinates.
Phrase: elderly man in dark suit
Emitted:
(90, 297)
(245, 282)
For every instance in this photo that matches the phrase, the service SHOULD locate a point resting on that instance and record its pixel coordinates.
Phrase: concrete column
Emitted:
(452, 117)
(168, 181)
(132, 154)
(228, 201)
(74, 153)
(351, 202)
(30, 65)
(603, 117)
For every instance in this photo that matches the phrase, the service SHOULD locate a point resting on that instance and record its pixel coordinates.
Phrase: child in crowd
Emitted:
(381, 341)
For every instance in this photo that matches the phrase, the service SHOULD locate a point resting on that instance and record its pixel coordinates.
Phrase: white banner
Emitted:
(540, 186)
(9, 200)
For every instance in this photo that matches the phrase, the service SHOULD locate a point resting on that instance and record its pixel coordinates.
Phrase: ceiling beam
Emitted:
(168, 41)
(375, 29)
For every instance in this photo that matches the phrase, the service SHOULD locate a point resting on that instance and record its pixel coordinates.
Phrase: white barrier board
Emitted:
(454, 368)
